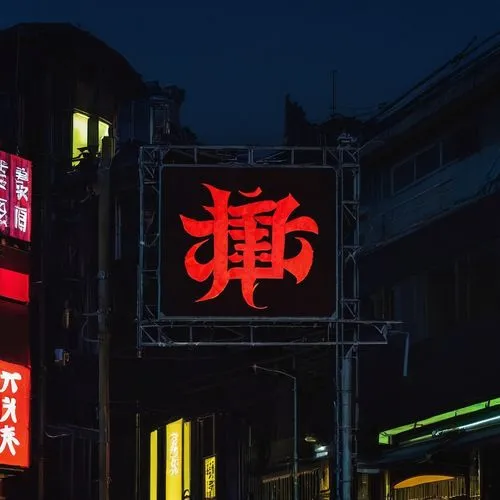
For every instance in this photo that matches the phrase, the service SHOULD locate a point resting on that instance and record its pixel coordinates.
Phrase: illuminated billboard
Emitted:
(174, 460)
(210, 472)
(173, 477)
(15, 196)
(249, 241)
(15, 415)
(14, 285)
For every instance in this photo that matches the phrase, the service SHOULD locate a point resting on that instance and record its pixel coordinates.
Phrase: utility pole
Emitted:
(104, 189)
(346, 419)
(295, 472)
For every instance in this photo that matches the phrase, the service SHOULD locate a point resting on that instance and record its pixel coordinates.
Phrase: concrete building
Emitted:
(431, 259)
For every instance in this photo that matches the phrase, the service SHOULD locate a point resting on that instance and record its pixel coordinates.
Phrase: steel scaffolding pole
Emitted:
(348, 312)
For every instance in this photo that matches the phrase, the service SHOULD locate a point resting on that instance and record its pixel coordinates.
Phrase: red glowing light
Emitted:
(15, 196)
(255, 244)
(14, 285)
(15, 387)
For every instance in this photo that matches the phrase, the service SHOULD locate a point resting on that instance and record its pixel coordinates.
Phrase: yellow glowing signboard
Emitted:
(186, 478)
(153, 466)
(174, 454)
(210, 477)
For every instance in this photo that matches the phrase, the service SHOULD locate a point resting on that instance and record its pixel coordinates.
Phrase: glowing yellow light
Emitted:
(187, 459)
(103, 132)
(174, 468)
(385, 436)
(210, 477)
(80, 133)
(153, 466)
(418, 480)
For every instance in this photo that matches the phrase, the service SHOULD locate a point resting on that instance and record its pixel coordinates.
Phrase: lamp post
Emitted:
(295, 426)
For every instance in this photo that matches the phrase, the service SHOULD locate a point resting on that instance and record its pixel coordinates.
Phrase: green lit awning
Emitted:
(386, 437)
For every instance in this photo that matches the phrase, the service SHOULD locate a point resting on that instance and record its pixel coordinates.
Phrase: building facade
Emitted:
(61, 89)
(431, 259)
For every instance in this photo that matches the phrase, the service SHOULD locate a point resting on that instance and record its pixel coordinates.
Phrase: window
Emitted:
(103, 132)
(80, 133)
(87, 132)
(428, 161)
(403, 175)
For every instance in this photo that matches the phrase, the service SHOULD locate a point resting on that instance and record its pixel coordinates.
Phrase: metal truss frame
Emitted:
(345, 330)
(154, 329)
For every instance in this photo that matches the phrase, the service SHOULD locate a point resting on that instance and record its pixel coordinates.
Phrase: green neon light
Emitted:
(385, 436)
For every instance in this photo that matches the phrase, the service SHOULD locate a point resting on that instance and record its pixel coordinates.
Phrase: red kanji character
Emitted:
(258, 230)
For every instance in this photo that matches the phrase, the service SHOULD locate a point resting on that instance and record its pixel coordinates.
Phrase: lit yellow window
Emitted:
(80, 133)
(103, 132)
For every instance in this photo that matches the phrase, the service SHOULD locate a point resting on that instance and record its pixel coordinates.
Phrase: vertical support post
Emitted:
(348, 191)
(346, 439)
(137, 452)
(72, 467)
(159, 223)
(104, 189)
(140, 267)
(42, 375)
(295, 441)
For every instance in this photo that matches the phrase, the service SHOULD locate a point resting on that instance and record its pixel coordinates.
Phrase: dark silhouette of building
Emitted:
(60, 91)
(156, 118)
(299, 131)
(431, 257)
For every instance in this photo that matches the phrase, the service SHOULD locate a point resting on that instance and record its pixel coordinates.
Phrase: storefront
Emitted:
(15, 383)
(452, 455)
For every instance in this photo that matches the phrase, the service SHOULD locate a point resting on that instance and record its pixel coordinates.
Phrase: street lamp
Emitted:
(295, 426)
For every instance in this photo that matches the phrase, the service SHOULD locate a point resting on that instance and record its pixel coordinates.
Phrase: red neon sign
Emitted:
(15, 415)
(248, 243)
(14, 285)
(15, 196)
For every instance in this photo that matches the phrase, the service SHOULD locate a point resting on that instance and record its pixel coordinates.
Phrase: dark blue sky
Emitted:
(237, 60)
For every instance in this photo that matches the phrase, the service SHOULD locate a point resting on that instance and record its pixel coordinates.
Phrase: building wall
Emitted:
(441, 182)
(431, 260)
(44, 83)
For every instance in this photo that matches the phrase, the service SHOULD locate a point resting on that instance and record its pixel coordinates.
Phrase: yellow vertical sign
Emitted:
(153, 466)
(210, 477)
(174, 469)
(187, 459)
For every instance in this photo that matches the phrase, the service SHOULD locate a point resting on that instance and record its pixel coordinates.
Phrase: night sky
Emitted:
(237, 60)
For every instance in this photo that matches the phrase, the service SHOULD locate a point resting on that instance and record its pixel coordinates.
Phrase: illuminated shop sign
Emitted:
(14, 285)
(210, 477)
(176, 461)
(15, 196)
(252, 241)
(15, 415)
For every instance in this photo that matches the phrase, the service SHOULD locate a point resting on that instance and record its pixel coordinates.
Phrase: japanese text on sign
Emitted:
(15, 196)
(258, 232)
(14, 416)
(173, 451)
(4, 194)
(210, 477)
(22, 179)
